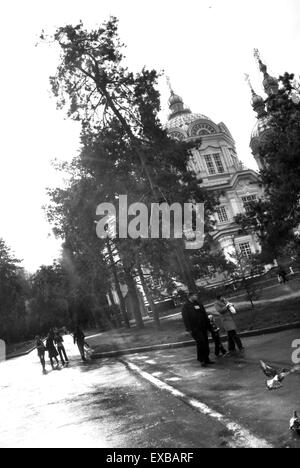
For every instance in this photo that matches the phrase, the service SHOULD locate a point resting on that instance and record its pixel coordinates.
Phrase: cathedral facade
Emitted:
(216, 164)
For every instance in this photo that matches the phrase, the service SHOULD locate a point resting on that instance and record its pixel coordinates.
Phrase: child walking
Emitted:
(215, 334)
(41, 349)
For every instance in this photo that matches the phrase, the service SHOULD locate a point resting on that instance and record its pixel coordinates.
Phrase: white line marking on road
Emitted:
(242, 437)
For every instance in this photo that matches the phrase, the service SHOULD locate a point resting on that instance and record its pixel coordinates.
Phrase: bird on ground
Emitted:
(295, 423)
(275, 376)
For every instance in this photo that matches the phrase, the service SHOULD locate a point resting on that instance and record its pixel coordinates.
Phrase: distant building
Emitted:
(215, 162)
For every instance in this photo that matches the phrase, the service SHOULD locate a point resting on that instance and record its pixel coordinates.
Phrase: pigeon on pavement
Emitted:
(275, 376)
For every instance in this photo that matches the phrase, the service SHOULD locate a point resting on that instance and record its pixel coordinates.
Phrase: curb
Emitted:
(23, 353)
(240, 436)
(184, 344)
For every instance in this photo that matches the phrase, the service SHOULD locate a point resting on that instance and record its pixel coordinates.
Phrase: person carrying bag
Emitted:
(225, 309)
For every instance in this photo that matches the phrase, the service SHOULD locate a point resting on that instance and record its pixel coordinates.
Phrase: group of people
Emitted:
(200, 324)
(54, 345)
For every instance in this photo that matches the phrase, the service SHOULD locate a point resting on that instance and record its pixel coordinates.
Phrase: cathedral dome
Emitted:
(183, 123)
(175, 99)
(256, 99)
(260, 127)
(184, 120)
(260, 130)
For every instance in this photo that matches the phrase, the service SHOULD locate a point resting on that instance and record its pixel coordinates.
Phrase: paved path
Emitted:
(98, 404)
(105, 404)
(235, 387)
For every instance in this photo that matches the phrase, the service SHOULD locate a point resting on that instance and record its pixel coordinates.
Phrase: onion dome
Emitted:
(259, 131)
(176, 106)
(183, 123)
(258, 104)
(181, 116)
(260, 127)
(175, 99)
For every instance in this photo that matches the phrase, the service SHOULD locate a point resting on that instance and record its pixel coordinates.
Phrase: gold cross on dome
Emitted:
(169, 84)
(256, 54)
(248, 81)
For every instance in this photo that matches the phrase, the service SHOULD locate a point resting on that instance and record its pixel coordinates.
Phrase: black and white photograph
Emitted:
(150, 227)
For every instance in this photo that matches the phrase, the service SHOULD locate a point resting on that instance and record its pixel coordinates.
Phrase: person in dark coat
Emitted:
(52, 351)
(197, 323)
(282, 276)
(79, 338)
(59, 341)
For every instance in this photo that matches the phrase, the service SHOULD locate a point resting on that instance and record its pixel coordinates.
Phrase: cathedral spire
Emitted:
(257, 101)
(176, 105)
(270, 83)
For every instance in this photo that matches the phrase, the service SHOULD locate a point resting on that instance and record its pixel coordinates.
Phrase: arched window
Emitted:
(177, 135)
(202, 129)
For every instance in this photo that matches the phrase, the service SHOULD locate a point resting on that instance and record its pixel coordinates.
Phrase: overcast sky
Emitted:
(205, 46)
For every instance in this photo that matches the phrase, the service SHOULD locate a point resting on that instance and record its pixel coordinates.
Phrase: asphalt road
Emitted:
(164, 400)
(98, 404)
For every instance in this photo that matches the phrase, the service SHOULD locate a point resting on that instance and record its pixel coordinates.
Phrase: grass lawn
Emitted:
(172, 329)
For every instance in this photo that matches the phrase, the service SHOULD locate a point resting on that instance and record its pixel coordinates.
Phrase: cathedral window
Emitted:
(222, 214)
(233, 156)
(210, 164)
(248, 201)
(177, 135)
(218, 162)
(245, 250)
(214, 163)
(202, 129)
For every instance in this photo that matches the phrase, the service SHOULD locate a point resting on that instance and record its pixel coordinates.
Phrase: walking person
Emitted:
(41, 350)
(197, 323)
(225, 309)
(215, 334)
(59, 341)
(282, 276)
(52, 351)
(79, 339)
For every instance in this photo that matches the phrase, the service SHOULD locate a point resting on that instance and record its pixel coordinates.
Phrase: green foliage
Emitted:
(13, 293)
(48, 306)
(124, 148)
(71, 212)
(244, 274)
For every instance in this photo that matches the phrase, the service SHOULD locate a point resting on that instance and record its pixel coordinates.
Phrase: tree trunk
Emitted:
(149, 296)
(117, 285)
(185, 269)
(133, 295)
(250, 300)
(248, 292)
(183, 264)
